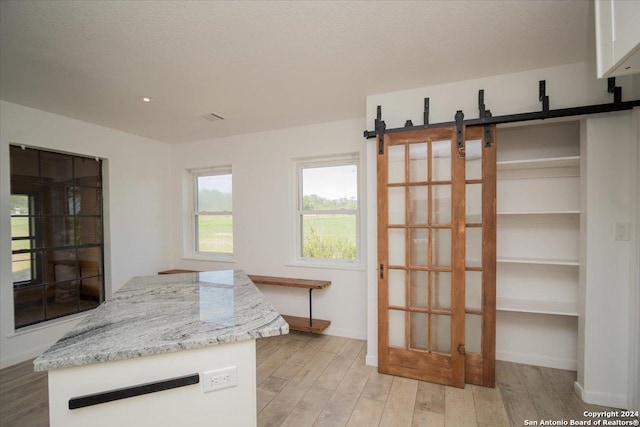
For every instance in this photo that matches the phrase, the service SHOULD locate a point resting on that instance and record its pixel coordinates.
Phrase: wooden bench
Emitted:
(306, 324)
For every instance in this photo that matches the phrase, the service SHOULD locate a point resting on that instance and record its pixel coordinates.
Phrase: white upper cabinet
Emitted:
(617, 37)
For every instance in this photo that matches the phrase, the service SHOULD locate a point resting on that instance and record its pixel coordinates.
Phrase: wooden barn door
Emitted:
(480, 257)
(425, 205)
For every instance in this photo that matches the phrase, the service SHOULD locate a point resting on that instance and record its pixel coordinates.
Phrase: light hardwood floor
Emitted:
(321, 380)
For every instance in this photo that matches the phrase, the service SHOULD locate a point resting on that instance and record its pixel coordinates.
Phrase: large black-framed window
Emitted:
(57, 240)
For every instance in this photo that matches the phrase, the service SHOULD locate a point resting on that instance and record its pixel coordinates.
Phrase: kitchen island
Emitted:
(146, 356)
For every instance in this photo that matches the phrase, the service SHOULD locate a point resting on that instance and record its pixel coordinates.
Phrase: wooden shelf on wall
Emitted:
(305, 324)
(302, 324)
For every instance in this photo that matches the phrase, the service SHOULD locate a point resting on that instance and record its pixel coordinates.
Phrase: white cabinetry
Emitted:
(538, 243)
(617, 37)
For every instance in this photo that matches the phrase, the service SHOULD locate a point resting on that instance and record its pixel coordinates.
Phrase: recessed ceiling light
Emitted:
(144, 98)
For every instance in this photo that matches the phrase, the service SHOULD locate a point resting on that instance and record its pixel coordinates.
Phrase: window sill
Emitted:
(327, 265)
(49, 324)
(212, 258)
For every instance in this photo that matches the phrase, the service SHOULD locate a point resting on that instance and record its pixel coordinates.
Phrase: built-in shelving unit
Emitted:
(538, 243)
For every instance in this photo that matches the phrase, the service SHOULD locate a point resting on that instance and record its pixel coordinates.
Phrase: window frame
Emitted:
(192, 251)
(34, 238)
(297, 258)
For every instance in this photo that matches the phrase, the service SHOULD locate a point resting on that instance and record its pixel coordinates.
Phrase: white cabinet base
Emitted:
(184, 406)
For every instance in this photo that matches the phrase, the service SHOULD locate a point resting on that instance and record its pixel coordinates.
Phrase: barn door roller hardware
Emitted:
(459, 129)
(425, 114)
(486, 119)
(615, 90)
(380, 128)
(484, 113)
(543, 97)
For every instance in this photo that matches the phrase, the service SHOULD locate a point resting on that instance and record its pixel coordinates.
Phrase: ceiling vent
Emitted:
(212, 117)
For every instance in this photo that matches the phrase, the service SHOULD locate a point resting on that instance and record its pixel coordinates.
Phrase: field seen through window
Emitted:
(327, 236)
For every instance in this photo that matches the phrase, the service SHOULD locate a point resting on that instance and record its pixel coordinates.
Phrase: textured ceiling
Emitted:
(265, 65)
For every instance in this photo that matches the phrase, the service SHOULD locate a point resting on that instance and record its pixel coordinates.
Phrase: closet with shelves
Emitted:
(538, 243)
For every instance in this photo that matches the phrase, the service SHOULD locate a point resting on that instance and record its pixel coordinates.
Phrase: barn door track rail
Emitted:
(486, 119)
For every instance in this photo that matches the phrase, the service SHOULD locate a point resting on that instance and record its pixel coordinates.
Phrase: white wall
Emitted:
(136, 209)
(263, 215)
(607, 265)
(567, 86)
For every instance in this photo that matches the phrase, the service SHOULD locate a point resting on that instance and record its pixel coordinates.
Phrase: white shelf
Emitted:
(538, 261)
(551, 162)
(567, 212)
(562, 308)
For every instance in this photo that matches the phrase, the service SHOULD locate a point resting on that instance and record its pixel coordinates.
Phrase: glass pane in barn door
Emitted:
(396, 241)
(397, 205)
(421, 200)
(419, 289)
(418, 162)
(419, 247)
(441, 290)
(418, 204)
(397, 328)
(396, 165)
(419, 330)
(397, 288)
(441, 160)
(441, 204)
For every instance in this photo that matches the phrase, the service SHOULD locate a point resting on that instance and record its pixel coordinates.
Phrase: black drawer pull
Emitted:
(137, 390)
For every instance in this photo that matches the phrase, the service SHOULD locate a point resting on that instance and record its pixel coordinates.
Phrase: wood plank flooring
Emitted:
(24, 396)
(321, 380)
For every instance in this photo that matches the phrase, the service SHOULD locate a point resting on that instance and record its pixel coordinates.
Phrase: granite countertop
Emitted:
(165, 313)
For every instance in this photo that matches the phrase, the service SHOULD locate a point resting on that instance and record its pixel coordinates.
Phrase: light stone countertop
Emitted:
(166, 313)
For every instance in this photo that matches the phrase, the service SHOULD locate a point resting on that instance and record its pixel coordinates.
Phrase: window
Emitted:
(327, 213)
(212, 215)
(23, 237)
(56, 234)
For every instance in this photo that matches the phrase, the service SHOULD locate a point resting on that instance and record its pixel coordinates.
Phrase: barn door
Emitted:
(422, 194)
(480, 256)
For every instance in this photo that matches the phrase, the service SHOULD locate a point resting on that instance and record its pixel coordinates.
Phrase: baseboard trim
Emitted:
(346, 333)
(26, 355)
(603, 399)
(536, 360)
(371, 360)
(577, 387)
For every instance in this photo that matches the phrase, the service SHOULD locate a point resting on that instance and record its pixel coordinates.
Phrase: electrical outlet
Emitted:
(218, 379)
(622, 231)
